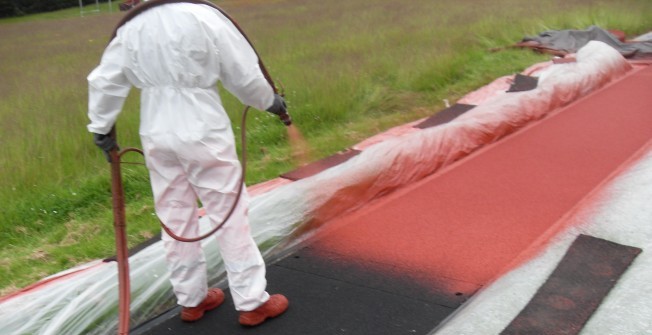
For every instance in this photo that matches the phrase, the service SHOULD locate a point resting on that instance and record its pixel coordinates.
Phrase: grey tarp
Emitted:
(569, 41)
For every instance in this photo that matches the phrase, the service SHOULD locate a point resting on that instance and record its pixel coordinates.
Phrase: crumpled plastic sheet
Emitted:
(284, 216)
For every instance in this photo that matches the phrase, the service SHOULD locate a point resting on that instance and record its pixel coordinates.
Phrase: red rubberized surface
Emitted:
(471, 221)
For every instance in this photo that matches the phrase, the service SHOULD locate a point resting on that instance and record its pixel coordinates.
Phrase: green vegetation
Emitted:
(351, 69)
(30, 10)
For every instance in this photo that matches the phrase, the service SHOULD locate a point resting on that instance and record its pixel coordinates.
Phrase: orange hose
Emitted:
(122, 254)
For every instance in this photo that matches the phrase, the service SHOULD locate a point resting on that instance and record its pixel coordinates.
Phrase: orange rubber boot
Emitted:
(275, 306)
(214, 298)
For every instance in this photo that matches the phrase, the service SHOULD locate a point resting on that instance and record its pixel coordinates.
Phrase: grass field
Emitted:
(351, 69)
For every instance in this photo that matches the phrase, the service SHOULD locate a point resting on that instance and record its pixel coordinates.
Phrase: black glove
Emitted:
(106, 143)
(278, 107)
(281, 109)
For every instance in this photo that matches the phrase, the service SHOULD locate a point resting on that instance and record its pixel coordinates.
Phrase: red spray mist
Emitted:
(299, 146)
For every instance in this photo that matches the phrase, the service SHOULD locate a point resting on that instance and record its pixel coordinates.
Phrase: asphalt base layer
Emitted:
(406, 262)
(330, 295)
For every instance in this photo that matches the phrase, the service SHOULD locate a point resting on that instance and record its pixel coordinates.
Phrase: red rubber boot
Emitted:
(275, 306)
(214, 298)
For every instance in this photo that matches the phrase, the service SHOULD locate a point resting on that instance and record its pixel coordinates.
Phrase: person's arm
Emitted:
(108, 88)
(239, 70)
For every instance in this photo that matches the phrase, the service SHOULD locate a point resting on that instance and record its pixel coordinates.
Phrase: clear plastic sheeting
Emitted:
(87, 302)
(283, 216)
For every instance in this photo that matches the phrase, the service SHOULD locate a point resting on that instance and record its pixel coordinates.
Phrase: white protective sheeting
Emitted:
(283, 217)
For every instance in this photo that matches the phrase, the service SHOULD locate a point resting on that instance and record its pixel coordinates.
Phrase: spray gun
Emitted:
(279, 108)
(286, 119)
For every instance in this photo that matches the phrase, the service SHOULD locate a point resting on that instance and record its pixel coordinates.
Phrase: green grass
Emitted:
(88, 10)
(351, 69)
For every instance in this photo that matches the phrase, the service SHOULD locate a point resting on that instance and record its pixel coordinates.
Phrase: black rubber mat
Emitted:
(410, 283)
(136, 249)
(566, 301)
(445, 116)
(330, 295)
(320, 165)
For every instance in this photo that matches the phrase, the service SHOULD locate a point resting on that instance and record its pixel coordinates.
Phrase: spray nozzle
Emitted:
(286, 119)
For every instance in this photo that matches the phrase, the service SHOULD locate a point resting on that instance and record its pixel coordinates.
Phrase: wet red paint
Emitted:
(473, 220)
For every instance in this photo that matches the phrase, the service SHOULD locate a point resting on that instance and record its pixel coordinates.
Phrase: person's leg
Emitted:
(214, 170)
(176, 206)
(217, 190)
(243, 262)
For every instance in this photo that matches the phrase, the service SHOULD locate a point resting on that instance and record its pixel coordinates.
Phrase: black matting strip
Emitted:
(566, 301)
(320, 165)
(445, 116)
(411, 283)
(523, 83)
(138, 248)
(318, 306)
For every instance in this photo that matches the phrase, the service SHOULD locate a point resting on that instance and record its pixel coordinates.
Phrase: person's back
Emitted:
(171, 46)
(175, 54)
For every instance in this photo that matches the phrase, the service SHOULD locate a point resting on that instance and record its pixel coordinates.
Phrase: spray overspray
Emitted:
(300, 149)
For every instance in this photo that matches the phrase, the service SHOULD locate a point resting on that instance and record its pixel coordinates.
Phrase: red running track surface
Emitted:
(471, 221)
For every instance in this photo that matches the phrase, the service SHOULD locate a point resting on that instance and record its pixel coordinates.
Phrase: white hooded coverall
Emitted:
(175, 54)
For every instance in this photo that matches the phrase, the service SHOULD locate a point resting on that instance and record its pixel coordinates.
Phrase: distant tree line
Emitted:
(10, 8)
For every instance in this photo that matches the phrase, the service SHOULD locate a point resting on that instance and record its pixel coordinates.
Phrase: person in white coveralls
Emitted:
(175, 54)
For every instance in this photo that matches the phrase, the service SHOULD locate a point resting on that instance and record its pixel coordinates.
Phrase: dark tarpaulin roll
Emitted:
(569, 41)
